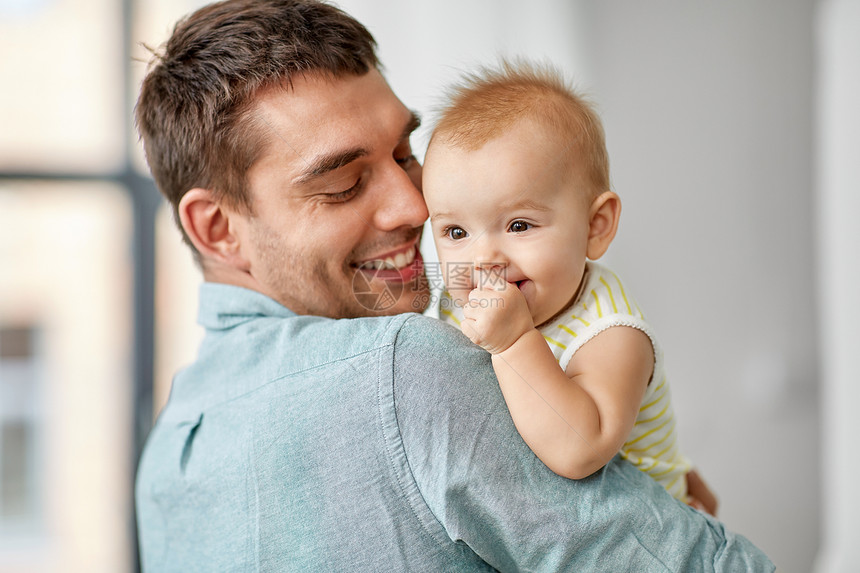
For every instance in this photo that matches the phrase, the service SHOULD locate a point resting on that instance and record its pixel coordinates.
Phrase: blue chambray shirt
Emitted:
(300, 443)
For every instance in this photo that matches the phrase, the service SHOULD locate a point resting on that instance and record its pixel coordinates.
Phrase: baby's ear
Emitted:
(602, 223)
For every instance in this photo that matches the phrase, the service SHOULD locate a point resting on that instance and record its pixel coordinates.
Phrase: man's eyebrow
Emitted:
(323, 164)
(413, 124)
(337, 159)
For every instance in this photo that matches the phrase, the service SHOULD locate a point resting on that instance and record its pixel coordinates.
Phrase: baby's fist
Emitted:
(495, 319)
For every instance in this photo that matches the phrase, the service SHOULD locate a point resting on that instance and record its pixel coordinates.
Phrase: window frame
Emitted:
(145, 201)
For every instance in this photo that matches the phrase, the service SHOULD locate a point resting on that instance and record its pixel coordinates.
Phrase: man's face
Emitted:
(336, 202)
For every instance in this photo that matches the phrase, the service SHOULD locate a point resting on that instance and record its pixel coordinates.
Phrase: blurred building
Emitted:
(64, 377)
(76, 212)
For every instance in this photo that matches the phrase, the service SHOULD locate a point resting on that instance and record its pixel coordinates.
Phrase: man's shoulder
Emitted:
(438, 373)
(420, 329)
(441, 346)
(356, 335)
(407, 333)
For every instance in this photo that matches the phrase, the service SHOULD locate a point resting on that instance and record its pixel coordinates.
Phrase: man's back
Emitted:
(275, 452)
(303, 443)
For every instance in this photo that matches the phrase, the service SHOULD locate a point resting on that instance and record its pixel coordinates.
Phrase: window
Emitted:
(20, 411)
(65, 376)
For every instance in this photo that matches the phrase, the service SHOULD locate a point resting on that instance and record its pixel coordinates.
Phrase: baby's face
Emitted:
(508, 210)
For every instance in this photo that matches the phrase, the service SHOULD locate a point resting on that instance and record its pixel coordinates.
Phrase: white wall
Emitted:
(425, 45)
(708, 109)
(709, 116)
(838, 252)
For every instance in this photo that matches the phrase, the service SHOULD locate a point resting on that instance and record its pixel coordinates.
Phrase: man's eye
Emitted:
(456, 233)
(519, 227)
(405, 162)
(343, 195)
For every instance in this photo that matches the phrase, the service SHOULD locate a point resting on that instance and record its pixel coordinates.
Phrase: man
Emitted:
(301, 442)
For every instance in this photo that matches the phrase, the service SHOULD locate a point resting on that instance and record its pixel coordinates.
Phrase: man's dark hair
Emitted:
(193, 113)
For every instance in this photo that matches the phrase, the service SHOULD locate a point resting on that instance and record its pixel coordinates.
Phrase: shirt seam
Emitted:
(288, 375)
(409, 474)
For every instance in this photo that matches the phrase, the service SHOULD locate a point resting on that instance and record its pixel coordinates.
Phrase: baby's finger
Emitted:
(469, 328)
(696, 504)
(491, 279)
(477, 298)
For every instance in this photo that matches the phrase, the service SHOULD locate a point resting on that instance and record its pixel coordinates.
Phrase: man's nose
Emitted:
(401, 203)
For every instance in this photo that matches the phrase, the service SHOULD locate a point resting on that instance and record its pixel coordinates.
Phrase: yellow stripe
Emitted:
(659, 455)
(654, 445)
(566, 329)
(663, 411)
(652, 402)
(597, 302)
(583, 321)
(661, 474)
(651, 467)
(609, 290)
(623, 294)
(657, 443)
(556, 342)
(646, 434)
(672, 483)
(451, 315)
(679, 491)
(659, 470)
(641, 315)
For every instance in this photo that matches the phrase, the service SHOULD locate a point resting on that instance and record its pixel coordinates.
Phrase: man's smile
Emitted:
(403, 265)
(391, 261)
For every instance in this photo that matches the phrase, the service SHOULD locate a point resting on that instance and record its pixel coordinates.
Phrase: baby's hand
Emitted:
(495, 319)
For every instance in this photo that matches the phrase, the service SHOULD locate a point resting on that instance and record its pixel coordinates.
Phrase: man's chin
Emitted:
(391, 291)
(391, 300)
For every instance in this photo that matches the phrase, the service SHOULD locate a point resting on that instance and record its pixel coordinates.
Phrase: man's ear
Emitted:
(211, 229)
(603, 220)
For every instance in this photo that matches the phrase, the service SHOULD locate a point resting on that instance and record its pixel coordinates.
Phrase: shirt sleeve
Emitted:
(487, 490)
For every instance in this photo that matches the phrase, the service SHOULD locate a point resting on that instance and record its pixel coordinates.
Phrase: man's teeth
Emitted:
(392, 263)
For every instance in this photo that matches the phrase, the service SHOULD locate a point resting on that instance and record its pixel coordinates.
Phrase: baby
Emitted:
(516, 180)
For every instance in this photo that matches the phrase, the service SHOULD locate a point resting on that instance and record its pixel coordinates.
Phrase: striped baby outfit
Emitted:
(603, 303)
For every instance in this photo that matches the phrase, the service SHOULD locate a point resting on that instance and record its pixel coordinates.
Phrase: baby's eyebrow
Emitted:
(525, 203)
(441, 215)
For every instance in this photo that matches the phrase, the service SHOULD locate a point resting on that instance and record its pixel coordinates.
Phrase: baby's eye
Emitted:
(519, 227)
(456, 233)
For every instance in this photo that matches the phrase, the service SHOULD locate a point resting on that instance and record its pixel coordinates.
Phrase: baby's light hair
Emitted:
(485, 104)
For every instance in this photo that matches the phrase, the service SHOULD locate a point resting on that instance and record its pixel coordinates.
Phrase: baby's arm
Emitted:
(574, 421)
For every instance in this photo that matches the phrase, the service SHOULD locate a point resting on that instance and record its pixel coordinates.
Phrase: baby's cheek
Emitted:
(457, 277)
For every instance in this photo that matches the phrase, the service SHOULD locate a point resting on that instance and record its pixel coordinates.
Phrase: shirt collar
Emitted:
(224, 306)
